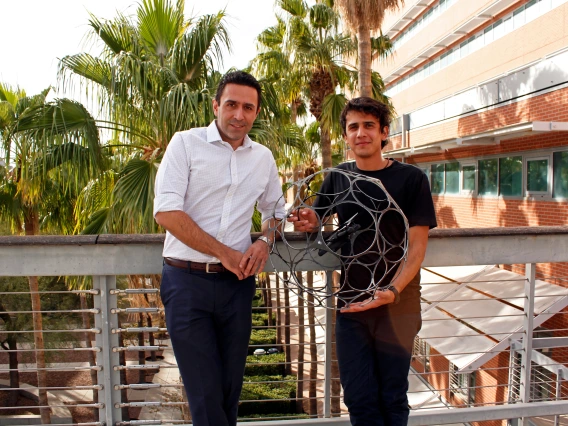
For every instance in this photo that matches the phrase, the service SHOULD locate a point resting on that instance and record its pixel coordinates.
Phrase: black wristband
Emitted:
(395, 292)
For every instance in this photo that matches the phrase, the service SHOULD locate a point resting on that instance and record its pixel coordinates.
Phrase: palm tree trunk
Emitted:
(313, 347)
(301, 340)
(89, 344)
(141, 354)
(31, 227)
(335, 383)
(325, 148)
(287, 348)
(278, 311)
(364, 39)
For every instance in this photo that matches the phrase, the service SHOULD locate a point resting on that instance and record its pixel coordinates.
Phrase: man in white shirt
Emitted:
(207, 186)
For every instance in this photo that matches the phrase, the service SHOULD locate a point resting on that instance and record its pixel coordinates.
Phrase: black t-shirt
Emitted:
(378, 254)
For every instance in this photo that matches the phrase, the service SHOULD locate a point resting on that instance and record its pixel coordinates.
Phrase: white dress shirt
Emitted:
(217, 187)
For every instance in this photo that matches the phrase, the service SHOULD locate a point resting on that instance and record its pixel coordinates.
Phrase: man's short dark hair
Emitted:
(238, 77)
(367, 106)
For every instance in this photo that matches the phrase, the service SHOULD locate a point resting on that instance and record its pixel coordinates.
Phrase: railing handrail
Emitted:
(56, 240)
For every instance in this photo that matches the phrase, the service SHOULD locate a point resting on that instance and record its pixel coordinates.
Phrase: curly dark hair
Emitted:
(367, 106)
(242, 78)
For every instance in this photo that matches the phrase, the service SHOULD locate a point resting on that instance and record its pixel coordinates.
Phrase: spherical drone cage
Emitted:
(337, 246)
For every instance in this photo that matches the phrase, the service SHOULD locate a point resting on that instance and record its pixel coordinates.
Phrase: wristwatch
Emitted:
(395, 292)
(267, 241)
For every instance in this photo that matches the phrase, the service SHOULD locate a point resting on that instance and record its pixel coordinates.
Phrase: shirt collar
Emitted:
(213, 135)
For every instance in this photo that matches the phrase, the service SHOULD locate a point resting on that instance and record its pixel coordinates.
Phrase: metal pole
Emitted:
(530, 274)
(328, 335)
(108, 377)
(559, 378)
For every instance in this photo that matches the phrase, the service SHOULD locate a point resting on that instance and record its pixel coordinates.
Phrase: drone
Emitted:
(361, 243)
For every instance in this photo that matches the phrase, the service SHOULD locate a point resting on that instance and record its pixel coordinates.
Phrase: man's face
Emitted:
(236, 112)
(364, 135)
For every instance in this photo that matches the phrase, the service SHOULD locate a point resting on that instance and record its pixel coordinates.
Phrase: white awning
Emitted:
(470, 313)
(492, 137)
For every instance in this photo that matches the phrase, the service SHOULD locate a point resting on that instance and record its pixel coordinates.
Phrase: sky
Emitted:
(35, 34)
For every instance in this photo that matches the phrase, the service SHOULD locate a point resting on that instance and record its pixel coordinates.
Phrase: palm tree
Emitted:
(52, 149)
(361, 18)
(154, 77)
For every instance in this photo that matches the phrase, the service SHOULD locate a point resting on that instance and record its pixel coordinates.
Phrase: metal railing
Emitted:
(492, 345)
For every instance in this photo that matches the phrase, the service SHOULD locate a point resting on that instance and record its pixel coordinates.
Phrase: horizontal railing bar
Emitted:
(70, 311)
(139, 330)
(93, 349)
(95, 405)
(74, 330)
(86, 368)
(7, 293)
(93, 387)
(142, 254)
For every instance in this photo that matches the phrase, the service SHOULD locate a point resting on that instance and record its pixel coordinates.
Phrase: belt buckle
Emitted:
(207, 268)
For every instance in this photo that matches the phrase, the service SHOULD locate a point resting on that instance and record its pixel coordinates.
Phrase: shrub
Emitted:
(263, 336)
(265, 365)
(283, 391)
(260, 319)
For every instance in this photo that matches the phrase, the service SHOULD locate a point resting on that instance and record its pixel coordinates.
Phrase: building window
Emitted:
(468, 178)
(560, 167)
(511, 176)
(462, 384)
(452, 178)
(537, 176)
(487, 179)
(421, 353)
(437, 178)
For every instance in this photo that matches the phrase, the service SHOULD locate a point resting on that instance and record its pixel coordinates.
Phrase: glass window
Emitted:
(452, 178)
(537, 175)
(437, 178)
(531, 10)
(508, 24)
(468, 178)
(498, 29)
(488, 34)
(560, 167)
(511, 176)
(487, 183)
(519, 17)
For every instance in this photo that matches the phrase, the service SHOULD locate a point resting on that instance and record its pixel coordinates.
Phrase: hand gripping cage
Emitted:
(362, 247)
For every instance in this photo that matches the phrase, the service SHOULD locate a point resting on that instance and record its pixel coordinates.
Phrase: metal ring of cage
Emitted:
(379, 258)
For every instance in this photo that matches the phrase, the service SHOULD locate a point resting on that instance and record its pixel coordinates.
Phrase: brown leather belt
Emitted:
(195, 266)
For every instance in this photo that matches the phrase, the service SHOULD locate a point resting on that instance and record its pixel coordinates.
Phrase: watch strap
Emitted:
(395, 292)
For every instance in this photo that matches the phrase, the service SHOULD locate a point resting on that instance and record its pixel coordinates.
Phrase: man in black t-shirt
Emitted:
(375, 335)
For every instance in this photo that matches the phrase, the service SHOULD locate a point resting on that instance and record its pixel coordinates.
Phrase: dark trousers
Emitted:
(208, 317)
(374, 359)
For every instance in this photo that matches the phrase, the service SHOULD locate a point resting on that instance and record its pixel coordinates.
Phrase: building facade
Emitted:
(480, 89)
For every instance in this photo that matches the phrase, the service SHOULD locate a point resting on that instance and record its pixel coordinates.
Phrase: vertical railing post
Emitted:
(328, 335)
(528, 317)
(559, 378)
(108, 377)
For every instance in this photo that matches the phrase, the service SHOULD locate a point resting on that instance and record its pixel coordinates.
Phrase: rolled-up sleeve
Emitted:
(271, 203)
(172, 179)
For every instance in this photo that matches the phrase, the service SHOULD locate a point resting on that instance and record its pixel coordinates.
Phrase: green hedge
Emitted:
(259, 319)
(266, 365)
(284, 391)
(262, 336)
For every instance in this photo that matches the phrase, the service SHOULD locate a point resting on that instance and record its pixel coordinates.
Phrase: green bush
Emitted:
(265, 365)
(257, 299)
(283, 391)
(266, 337)
(259, 319)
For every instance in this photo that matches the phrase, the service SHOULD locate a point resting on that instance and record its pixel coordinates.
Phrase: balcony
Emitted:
(492, 346)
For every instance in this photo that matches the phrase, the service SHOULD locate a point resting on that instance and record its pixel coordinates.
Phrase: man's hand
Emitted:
(304, 220)
(231, 260)
(254, 259)
(382, 297)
